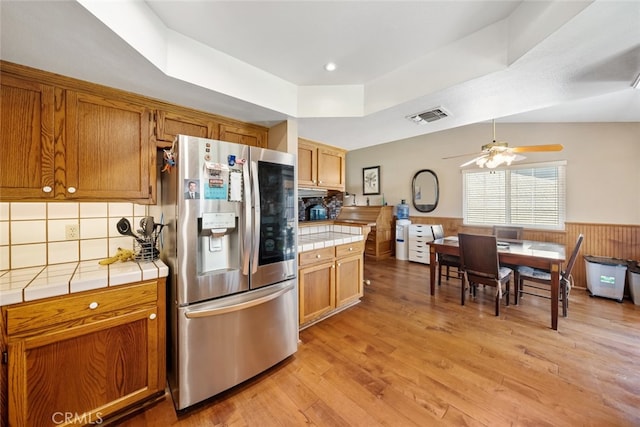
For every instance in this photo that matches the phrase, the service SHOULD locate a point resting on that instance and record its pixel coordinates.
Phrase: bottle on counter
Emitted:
(403, 210)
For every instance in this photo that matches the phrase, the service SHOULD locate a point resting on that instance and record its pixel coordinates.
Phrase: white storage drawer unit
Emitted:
(419, 237)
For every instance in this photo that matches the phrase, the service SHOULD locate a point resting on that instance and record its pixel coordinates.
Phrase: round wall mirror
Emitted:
(424, 190)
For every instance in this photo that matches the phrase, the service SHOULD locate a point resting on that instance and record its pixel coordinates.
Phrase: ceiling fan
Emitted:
(497, 153)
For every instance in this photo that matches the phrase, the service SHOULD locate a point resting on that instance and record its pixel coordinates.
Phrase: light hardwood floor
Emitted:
(404, 358)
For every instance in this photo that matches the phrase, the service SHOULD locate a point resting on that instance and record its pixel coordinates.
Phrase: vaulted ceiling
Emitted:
(263, 61)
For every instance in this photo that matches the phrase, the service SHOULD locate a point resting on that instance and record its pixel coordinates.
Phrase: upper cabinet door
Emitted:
(109, 152)
(246, 136)
(320, 165)
(27, 111)
(307, 164)
(170, 124)
(331, 168)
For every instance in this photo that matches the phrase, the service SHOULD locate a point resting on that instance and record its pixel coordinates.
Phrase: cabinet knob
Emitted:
(339, 264)
(350, 249)
(318, 256)
(71, 190)
(93, 305)
(152, 316)
(47, 189)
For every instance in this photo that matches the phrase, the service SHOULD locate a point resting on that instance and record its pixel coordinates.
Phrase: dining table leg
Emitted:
(432, 269)
(555, 286)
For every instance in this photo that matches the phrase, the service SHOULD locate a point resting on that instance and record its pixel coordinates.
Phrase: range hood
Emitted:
(312, 192)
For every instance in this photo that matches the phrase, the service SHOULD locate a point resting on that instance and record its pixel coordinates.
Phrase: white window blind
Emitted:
(531, 196)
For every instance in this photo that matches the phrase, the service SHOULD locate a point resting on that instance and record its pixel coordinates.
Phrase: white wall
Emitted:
(603, 165)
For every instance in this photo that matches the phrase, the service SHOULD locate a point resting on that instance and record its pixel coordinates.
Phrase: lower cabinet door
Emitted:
(81, 374)
(317, 291)
(349, 277)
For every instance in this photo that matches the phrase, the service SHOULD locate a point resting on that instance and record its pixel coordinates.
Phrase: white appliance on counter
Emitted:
(230, 244)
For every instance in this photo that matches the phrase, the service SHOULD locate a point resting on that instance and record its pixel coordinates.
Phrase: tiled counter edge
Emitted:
(326, 235)
(33, 283)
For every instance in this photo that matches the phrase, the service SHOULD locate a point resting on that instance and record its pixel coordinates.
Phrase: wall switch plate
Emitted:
(72, 232)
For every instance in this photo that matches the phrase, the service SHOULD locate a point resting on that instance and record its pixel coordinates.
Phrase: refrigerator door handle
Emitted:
(237, 307)
(246, 250)
(256, 217)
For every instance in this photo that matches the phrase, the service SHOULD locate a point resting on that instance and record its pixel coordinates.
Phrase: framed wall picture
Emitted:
(371, 180)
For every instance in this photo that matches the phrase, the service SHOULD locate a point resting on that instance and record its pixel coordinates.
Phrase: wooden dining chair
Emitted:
(445, 260)
(508, 232)
(480, 266)
(540, 280)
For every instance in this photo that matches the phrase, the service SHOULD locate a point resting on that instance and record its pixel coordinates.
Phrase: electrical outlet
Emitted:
(72, 232)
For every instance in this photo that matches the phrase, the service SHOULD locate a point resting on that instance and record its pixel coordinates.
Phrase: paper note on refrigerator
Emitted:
(217, 181)
(235, 186)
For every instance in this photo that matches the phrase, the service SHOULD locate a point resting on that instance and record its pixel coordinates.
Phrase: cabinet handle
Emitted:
(152, 316)
(71, 190)
(93, 305)
(47, 189)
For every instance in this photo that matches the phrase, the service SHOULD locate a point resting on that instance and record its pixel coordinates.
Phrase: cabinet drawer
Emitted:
(349, 249)
(419, 256)
(29, 316)
(315, 256)
(419, 230)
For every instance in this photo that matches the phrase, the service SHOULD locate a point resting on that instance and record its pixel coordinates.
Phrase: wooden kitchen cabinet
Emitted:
(85, 358)
(27, 110)
(66, 139)
(66, 144)
(349, 273)
(247, 134)
(320, 165)
(109, 154)
(329, 279)
(316, 281)
(169, 124)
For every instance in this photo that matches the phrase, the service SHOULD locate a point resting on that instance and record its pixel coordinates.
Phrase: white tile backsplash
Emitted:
(28, 232)
(93, 210)
(62, 210)
(28, 255)
(4, 258)
(4, 233)
(4, 211)
(34, 233)
(63, 251)
(93, 249)
(25, 211)
(121, 209)
(93, 228)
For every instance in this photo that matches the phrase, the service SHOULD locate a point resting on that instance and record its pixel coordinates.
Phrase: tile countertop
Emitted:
(326, 235)
(33, 283)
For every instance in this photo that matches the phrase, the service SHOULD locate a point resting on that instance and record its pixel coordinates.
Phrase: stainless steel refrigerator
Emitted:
(230, 243)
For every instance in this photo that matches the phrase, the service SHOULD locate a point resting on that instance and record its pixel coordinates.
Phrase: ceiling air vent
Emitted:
(429, 116)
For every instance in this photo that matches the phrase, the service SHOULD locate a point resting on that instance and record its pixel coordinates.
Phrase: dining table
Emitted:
(541, 255)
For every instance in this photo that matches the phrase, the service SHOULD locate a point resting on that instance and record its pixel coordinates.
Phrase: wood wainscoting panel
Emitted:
(607, 240)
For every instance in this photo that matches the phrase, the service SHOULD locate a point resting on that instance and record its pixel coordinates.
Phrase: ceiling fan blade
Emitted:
(461, 155)
(473, 160)
(537, 148)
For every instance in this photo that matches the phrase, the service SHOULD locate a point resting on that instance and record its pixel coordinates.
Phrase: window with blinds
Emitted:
(531, 196)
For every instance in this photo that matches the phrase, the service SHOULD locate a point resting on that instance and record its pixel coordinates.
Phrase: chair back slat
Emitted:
(572, 258)
(479, 255)
(438, 232)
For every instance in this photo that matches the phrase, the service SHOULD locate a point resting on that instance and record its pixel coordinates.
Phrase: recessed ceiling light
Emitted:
(330, 66)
